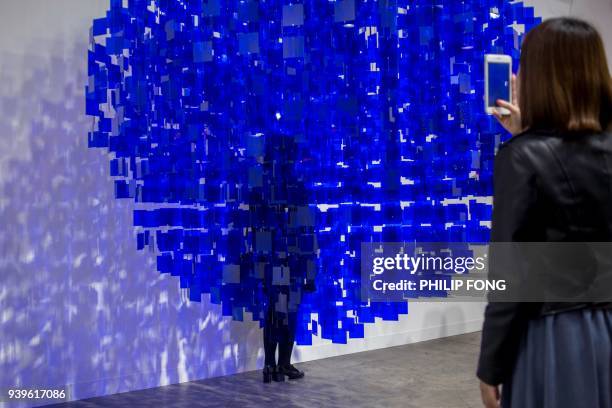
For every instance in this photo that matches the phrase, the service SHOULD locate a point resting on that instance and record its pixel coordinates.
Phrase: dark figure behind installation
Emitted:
(284, 250)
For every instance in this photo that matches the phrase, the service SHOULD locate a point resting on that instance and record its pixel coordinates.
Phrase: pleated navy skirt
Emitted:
(564, 361)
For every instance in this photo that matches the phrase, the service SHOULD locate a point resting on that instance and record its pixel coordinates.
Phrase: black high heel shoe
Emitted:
(291, 372)
(272, 373)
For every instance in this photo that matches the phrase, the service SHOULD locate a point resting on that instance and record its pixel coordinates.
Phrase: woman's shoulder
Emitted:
(533, 137)
(531, 141)
(538, 145)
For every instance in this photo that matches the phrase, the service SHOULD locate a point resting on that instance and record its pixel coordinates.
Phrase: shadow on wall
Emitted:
(79, 304)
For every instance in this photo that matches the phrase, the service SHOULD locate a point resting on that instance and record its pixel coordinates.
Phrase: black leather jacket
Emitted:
(548, 187)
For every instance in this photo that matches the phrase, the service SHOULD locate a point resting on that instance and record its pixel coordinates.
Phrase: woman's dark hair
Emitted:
(564, 81)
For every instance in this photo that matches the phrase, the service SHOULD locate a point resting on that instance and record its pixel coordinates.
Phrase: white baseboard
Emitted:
(326, 350)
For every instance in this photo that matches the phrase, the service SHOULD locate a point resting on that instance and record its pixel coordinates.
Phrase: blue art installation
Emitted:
(334, 122)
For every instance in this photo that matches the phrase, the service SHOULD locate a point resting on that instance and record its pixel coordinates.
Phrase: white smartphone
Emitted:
(498, 77)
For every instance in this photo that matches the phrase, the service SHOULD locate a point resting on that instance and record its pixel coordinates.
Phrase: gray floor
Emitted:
(432, 374)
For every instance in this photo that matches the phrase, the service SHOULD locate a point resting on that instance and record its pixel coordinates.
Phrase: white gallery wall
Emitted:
(597, 12)
(79, 305)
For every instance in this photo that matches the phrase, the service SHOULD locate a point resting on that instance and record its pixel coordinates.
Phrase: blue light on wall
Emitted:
(379, 103)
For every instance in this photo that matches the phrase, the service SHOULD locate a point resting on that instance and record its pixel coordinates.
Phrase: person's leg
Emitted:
(286, 348)
(271, 340)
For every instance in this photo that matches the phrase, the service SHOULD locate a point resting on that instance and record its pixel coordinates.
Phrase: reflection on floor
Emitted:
(433, 374)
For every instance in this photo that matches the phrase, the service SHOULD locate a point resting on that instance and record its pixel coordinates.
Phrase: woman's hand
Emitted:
(512, 122)
(489, 395)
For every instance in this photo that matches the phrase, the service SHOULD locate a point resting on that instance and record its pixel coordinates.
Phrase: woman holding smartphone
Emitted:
(553, 183)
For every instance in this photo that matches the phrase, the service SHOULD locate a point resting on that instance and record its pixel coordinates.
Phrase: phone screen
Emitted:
(499, 82)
